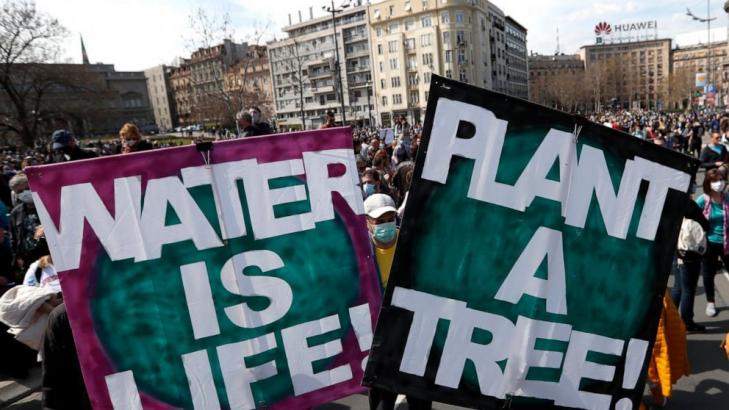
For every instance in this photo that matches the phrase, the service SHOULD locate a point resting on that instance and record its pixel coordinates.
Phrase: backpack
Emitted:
(691, 239)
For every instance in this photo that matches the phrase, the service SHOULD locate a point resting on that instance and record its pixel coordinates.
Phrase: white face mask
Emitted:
(718, 186)
(26, 197)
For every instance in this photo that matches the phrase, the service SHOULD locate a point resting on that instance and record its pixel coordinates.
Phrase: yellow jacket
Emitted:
(669, 360)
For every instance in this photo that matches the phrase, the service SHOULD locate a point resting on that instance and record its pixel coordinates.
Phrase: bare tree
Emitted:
(229, 85)
(28, 40)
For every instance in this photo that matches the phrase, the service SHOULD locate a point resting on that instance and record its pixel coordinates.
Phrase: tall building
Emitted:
(517, 72)
(465, 40)
(160, 96)
(181, 84)
(304, 75)
(637, 72)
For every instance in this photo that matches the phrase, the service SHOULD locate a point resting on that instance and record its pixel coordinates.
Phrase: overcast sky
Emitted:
(137, 34)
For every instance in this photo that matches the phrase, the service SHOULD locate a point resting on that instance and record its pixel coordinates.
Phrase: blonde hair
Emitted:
(45, 261)
(128, 130)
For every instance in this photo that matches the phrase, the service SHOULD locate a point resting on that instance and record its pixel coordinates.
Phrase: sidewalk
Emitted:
(14, 390)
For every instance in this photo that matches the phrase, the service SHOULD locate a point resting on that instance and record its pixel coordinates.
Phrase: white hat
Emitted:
(378, 204)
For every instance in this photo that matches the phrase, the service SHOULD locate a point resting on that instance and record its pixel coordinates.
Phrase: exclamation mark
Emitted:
(362, 325)
(634, 357)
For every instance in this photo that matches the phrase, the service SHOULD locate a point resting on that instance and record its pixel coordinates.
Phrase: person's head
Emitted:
(18, 183)
(381, 216)
(330, 117)
(370, 182)
(714, 181)
(375, 144)
(361, 165)
(255, 113)
(63, 140)
(130, 136)
(660, 141)
(715, 138)
(244, 120)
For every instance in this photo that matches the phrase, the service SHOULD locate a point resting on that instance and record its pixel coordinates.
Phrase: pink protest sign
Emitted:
(242, 282)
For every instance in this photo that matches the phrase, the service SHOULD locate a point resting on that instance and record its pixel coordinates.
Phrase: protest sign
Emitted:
(239, 279)
(532, 259)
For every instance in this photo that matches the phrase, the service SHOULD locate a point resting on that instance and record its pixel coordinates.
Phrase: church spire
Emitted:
(84, 56)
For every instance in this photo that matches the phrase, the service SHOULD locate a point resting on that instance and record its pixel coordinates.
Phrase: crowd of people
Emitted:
(385, 163)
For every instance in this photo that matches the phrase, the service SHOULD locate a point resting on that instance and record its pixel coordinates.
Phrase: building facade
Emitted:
(208, 67)
(691, 60)
(304, 70)
(461, 39)
(248, 82)
(517, 65)
(550, 73)
(633, 74)
(181, 84)
(160, 96)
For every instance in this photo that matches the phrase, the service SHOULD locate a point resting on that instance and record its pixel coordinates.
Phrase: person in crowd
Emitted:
(24, 223)
(131, 139)
(65, 147)
(403, 131)
(328, 120)
(381, 216)
(373, 183)
(697, 132)
(62, 383)
(263, 127)
(245, 125)
(43, 274)
(715, 153)
(715, 205)
(687, 275)
(17, 184)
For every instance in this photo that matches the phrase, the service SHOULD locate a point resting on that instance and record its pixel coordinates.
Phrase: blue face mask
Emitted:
(384, 232)
(368, 189)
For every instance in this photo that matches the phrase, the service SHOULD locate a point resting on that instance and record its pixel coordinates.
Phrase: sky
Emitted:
(139, 34)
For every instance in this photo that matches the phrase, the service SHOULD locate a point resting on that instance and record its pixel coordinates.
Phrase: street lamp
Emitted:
(708, 21)
(332, 9)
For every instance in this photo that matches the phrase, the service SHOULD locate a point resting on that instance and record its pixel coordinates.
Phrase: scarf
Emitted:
(725, 212)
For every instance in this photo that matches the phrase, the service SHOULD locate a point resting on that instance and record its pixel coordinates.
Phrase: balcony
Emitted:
(323, 90)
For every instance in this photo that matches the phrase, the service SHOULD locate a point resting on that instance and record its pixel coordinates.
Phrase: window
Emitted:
(428, 59)
(461, 56)
(409, 24)
(426, 95)
(460, 37)
(394, 28)
(425, 40)
(425, 21)
(446, 39)
(425, 4)
(397, 99)
(410, 44)
(445, 18)
(448, 56)
(378, 31)
(382, 66)
(413, 79)
(426, 80)
(391, 10)
(383, 83)
(379, 49)
(412, 63)
(392, 46)
(395, 81)
(463, 77)
(449, 74)
(414, 97)
(459, 17)
(393, 63)
(331, 97)
(384, 101)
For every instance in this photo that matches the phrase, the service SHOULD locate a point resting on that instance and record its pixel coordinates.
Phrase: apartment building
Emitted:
(160, 96)
(304, 73)
(461, 39)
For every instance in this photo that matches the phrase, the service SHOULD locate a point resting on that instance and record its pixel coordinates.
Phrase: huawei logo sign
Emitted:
(603, 28)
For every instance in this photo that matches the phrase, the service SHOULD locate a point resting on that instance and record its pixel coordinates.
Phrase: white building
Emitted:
(303, 71)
